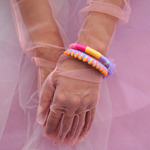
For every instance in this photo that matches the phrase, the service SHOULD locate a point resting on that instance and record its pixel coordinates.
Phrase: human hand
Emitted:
(67, 107)
(47, 56)
(72, 104)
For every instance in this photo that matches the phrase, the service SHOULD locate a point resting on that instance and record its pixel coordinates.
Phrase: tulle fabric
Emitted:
(122, 115)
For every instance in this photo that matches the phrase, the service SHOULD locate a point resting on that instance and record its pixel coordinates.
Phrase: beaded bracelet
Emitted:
(92, 52)
(86, 58)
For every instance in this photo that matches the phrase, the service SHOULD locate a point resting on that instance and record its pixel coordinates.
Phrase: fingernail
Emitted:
(56, 143)
(72, 142)
(40, 109)
(85, 134)
(40, 119)
(80, 138)
(47, 136)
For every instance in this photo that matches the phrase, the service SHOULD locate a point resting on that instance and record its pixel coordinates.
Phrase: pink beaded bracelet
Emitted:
(92, 52)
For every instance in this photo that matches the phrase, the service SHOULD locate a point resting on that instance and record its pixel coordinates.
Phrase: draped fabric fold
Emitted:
(121, 120)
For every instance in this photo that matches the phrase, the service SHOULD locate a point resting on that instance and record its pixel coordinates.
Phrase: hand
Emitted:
(72, 105)
(45, 64)
(44, 34)
(49, 56)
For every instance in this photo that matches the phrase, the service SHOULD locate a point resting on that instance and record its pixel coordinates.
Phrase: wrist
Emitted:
(96, 44)
(71, 64)
(50, 54)
(52, 47)
(97, 31)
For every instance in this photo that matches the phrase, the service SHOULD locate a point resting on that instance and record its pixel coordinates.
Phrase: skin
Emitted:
(74, 95)
(42, 28)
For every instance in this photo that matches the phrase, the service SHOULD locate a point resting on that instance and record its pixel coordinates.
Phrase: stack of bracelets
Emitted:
(81, 52)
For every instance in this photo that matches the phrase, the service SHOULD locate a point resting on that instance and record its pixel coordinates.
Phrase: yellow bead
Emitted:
(92, 52)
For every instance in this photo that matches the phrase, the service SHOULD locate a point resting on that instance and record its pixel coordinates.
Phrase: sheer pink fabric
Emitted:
(122, 114)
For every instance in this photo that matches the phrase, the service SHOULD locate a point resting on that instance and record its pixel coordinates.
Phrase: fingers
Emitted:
(79, 128)
(92, 115)
(88, 123)
(52, 123)
(65, 126)
(72, 130)
(46, 96)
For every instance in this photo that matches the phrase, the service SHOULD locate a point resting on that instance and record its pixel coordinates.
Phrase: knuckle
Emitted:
(61, 135)
(75, 101)
(91, 105)
(60, 97)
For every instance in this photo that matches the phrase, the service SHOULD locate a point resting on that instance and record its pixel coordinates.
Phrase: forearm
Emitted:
(98, 28)
(42, 28)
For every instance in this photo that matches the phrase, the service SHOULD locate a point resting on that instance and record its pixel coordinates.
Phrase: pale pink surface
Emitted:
(122, 118)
